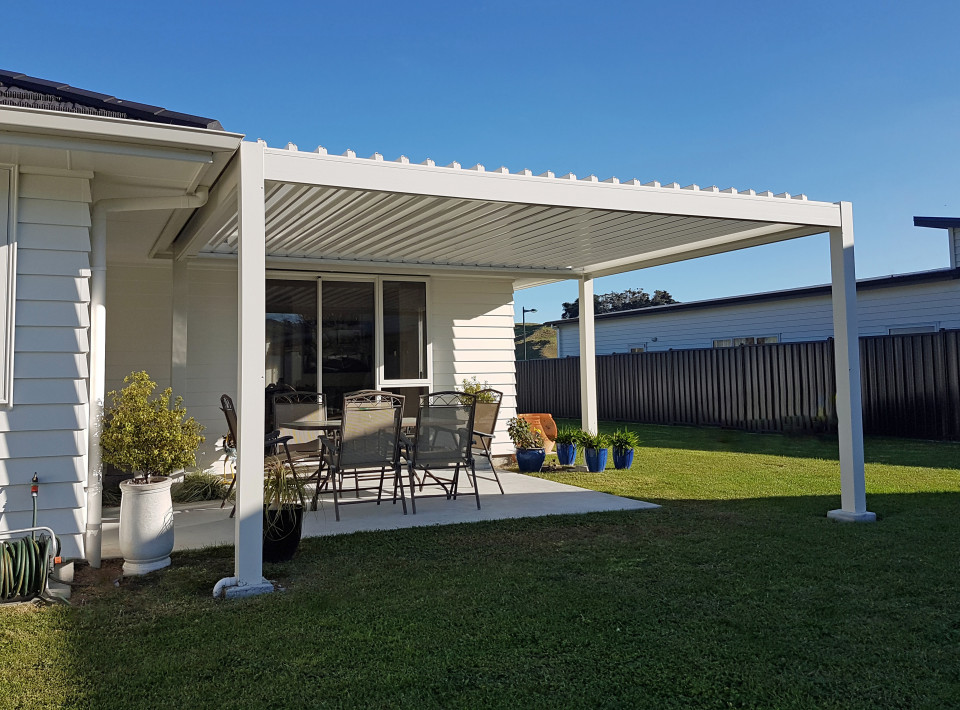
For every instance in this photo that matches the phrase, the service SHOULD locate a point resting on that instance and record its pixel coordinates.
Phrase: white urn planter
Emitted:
(146, 525)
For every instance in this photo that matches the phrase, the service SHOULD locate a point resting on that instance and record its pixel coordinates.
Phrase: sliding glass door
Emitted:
(291, 335)
(347, 337)
(337, 334)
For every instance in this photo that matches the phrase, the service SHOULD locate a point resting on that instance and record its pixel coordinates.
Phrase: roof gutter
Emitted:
(93, 534)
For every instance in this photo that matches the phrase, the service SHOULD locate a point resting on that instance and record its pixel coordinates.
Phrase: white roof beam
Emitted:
(335, 171)
(718, 245)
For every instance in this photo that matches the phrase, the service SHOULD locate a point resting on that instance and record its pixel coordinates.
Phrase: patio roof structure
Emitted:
(291, 209)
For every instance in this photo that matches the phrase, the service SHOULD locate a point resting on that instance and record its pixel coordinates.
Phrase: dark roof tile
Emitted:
(54, 96)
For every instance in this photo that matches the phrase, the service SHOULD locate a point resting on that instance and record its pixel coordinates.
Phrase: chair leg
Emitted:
(227, 494)
(486, 452)
(336, 495)
(476, 488)
(413, 488)
(398, 479)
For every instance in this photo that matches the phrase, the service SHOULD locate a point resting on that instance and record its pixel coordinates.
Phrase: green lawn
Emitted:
(736, 593)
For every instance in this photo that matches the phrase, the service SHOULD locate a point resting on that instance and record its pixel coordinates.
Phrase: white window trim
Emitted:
(8, 240)
(416, 382)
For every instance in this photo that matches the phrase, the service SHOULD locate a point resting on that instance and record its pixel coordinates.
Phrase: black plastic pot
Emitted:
(281, 532)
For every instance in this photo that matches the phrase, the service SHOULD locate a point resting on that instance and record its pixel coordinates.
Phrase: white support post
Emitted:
(251, 286)
(853, 497)
(178, 339)
(588, 358)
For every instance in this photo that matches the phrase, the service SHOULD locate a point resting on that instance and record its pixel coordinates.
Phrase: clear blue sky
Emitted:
(847, 100)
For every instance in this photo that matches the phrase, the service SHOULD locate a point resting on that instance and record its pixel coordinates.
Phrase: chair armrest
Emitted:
(277, 440)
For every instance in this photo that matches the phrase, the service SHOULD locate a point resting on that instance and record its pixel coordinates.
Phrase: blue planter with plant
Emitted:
(595, 451)
(567, 439)
(529, 444)
(596, 459)
(623, 441)
(566, 454)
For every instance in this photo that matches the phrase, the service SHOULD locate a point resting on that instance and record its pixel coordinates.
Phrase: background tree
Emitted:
(627, 300)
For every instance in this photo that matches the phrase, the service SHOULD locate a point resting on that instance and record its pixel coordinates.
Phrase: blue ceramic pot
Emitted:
(530, 460)
(622, 458)
(596, 459)
(566, 454)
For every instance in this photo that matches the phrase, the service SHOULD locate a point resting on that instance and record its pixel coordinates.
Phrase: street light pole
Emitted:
(525, 312)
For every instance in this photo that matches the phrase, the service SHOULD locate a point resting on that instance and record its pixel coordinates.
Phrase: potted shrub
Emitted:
(144, 435)
(529, 445)
(282, 511)
(567, 440)
(595, 451)
(623, 442)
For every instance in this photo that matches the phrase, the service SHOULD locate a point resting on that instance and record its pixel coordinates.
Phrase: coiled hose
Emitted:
(23, 566)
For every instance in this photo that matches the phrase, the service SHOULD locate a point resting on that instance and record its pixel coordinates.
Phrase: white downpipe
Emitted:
(98, 342)
(219, 589)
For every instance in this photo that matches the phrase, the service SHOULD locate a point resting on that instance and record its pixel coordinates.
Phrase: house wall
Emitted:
(471, 323)
(45, 429)
(471, 330)
(794, 320)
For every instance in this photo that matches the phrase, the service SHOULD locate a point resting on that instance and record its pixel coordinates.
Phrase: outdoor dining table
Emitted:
(330, 424)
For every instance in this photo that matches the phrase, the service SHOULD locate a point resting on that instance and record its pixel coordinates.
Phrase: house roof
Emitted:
(937, 222)
(30, 92)
(870, 284)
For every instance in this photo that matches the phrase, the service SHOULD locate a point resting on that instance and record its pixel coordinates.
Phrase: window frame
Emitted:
(378, 347)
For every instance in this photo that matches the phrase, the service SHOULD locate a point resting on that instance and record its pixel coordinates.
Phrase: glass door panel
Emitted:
(291, 355)
(347, 328)
(404, 330)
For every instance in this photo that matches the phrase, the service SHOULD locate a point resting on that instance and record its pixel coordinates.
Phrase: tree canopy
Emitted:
(620, 301)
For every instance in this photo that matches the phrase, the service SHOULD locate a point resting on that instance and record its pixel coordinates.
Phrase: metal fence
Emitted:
(910, 385)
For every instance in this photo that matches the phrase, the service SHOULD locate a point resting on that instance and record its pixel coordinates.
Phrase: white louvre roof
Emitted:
(327, 210)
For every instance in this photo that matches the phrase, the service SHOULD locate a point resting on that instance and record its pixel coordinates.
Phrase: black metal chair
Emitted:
(485, 424)
(304, 445)
(273, 444)
(443, 439)
(366, 445)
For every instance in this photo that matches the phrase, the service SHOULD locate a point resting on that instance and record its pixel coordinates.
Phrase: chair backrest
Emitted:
(289, 407)
(226, 406)
(370, 429)
(444, 428)
(488, 409)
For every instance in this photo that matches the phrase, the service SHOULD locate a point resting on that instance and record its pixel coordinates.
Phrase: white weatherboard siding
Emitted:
(45, 430)
(471, 326)
(794, 320)
(139, 335)
(471, 329)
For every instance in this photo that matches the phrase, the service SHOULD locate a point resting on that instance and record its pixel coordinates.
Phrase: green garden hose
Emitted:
(24, 564)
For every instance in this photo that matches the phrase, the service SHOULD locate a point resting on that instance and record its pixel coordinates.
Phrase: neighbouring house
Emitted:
(921, 302)
(132, 237)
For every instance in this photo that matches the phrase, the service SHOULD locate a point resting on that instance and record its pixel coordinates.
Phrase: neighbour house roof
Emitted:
(348, 211)
(870, 284)
(30, 92)
(937, 222)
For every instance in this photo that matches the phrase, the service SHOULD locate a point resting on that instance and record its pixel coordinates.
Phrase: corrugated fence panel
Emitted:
(910, 386)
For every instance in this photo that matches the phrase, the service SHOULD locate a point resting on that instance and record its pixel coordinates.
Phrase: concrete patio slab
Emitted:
(204, 524)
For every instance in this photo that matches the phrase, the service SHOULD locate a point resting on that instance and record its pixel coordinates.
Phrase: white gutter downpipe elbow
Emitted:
(92, 538)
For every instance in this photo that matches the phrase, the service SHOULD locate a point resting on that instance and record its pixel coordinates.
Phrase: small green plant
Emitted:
(144, 433)
(596, 441)
(522, 435)
(473, 386)
(198, 486)
(569, 435)
(279, 485)
(624, 440)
